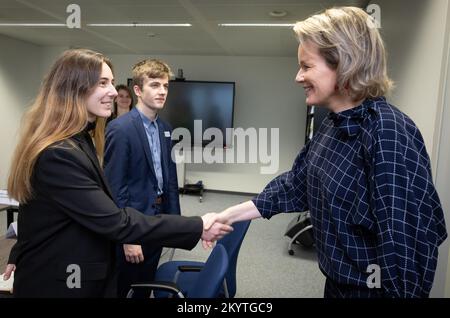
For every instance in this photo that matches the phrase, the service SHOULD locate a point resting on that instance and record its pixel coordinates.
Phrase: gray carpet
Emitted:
(265, 269)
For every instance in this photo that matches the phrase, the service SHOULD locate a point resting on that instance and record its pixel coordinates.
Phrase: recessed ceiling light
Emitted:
(277, 13)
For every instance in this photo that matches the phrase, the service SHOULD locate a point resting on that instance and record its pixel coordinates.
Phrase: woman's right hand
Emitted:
(8, 271)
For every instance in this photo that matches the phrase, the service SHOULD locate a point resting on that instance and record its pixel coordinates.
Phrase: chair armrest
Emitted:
(186, 269)
(165, 286)
(190, 268)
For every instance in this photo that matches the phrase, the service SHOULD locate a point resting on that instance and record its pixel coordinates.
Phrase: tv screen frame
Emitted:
(196, 140)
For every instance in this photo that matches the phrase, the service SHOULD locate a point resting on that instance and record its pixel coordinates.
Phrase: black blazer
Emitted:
(73, 220)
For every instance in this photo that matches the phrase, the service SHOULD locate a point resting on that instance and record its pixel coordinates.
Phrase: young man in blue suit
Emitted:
(139, 167)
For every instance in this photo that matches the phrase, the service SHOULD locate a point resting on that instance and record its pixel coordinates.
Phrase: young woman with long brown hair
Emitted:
(68, 222)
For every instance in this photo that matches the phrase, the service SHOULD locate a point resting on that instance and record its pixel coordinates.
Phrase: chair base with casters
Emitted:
(207, 284)
(300, 231)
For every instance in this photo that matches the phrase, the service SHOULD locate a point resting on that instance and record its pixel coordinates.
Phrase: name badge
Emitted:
(167, 133)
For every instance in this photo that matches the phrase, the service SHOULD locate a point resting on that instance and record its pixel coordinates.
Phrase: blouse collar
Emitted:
(349, 121)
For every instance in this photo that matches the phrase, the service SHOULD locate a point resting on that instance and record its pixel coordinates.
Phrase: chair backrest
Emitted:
(210, 278)
(232, 243)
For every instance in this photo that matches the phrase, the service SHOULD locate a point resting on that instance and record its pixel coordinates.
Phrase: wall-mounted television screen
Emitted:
(199, 105)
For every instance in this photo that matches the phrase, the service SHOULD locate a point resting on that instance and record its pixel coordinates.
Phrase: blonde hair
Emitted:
(58, 112)
(152, 68)
(350, 44)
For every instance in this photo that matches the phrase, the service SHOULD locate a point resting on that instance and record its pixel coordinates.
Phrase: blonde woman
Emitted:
(365, 177)
(68, 223)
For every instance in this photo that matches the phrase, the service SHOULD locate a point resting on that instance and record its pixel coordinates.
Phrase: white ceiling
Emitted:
(205, 37)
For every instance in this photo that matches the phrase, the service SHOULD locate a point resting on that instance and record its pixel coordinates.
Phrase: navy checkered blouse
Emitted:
(366, 179)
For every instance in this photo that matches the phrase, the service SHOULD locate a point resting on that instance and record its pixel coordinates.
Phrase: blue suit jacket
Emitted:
(129, 168)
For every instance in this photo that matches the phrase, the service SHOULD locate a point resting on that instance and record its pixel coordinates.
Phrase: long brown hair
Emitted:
(58, 112)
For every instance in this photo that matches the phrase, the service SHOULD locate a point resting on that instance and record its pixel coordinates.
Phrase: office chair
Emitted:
(232, 242)
(300, 231)
(207, 283)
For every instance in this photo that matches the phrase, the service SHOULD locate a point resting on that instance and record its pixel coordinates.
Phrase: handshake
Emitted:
(215, 226)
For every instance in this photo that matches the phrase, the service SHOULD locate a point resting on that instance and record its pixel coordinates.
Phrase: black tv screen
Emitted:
(210, 102)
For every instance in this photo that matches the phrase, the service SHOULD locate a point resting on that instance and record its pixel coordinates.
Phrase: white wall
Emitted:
(442, 280)
(49, 54)
(266, 96)
(20, 75)
(442, 155)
